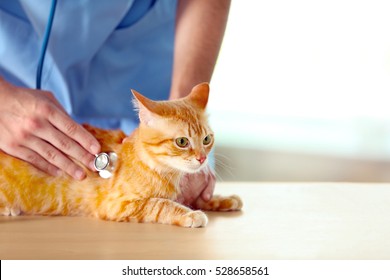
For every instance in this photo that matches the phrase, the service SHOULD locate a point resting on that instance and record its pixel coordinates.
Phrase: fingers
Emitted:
(52, 157)
(71, 129)
(208, 191)
(35, 159)
(66, 145)
(56, 147)
(198, 186)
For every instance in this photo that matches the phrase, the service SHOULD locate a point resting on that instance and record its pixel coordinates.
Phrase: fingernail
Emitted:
(79, 174)
(94, 149)
(207, 196)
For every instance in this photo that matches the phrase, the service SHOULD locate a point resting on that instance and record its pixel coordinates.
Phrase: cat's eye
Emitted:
(207, 140)
(182, 142)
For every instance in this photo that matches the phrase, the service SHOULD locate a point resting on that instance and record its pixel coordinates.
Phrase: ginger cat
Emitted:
(173, 139)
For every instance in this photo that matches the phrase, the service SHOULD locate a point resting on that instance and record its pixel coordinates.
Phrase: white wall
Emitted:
(310, 77)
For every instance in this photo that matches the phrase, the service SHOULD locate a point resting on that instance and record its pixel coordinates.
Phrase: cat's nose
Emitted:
(201, 159)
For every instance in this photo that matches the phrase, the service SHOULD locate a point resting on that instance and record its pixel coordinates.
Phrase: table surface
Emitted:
(278, 221)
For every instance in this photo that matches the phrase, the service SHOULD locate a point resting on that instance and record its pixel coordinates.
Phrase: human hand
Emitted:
(35, 128)
(197, 186)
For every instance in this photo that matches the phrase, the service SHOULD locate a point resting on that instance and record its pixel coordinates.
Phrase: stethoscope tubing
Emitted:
(45, 42)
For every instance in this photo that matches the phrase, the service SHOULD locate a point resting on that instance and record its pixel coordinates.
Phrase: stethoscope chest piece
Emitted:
(105, 164)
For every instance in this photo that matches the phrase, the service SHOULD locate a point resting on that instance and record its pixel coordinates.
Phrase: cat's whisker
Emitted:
(222, 165)
(223, 160)
(219, 177)
(225, 165)
(222, 156)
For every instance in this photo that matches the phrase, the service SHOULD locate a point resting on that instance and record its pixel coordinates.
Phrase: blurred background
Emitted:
(301, 92)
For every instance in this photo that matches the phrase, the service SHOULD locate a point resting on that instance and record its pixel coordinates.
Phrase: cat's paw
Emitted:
(234, 203)
(194, 219)
(6, 211)
(221, 203)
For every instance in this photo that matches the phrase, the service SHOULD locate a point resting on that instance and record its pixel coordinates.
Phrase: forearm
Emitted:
(200, 26)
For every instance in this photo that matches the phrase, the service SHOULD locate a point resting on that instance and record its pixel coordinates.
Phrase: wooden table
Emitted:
(278, 221)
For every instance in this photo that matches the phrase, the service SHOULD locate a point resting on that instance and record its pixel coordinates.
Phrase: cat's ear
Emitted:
(199, 95)
(145, 108)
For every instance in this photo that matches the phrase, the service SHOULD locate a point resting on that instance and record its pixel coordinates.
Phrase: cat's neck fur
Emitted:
(133, 156)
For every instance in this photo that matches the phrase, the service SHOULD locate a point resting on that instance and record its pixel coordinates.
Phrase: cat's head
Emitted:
(175, 134)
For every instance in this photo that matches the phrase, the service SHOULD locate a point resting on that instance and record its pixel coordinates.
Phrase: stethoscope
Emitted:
(44, 44)
(104, 163)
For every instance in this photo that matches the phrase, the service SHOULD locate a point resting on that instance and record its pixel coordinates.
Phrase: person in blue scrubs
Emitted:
(97, 51)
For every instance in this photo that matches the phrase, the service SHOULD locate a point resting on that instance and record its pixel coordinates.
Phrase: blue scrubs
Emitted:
(98, 50)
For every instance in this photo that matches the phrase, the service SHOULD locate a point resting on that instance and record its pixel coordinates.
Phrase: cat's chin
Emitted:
(187, 166)
(191, 170)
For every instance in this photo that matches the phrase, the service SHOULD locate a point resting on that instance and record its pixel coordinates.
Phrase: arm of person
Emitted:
(200, 27)
(35, 128)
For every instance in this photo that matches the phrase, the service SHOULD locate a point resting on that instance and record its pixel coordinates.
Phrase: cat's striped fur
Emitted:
(145, 184)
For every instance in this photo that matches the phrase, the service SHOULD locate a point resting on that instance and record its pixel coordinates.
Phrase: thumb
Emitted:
(208, 191)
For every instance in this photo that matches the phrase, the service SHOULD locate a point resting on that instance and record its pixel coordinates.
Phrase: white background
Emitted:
(307, 76)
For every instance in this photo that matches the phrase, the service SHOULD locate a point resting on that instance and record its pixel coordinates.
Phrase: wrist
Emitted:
(3, 87)
(2, 81)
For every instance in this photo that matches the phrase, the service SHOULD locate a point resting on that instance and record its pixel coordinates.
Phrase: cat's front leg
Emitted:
(220, 203)
(157, 210)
